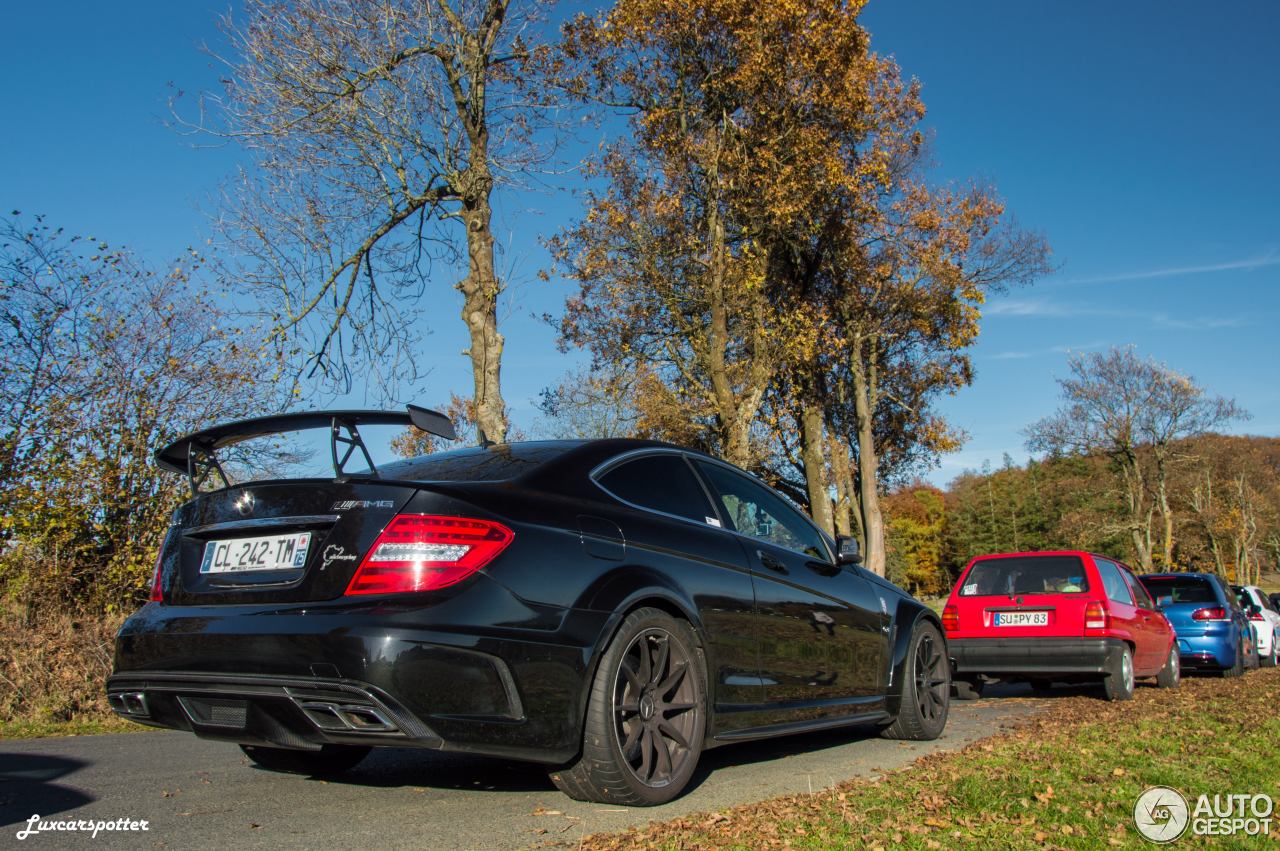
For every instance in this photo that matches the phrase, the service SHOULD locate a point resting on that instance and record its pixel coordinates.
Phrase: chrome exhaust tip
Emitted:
(347, 717)
(131, 704)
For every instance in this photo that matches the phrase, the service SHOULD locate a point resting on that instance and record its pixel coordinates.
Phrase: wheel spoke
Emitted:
(672, 733)
(669, 708)
(633, 678)
(664, 755)
(646, 754)
(633, 708)
(633, 739)
(677, 674)
(664, 656)
(646, 664)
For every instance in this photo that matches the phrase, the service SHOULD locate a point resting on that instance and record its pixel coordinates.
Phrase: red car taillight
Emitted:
(157, 594)
(950, 619)
(1256, 616)
(422, 552)
(1216, 613)
(1095, 615)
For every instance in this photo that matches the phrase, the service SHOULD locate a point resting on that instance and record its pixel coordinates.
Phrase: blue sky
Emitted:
(1140, 137)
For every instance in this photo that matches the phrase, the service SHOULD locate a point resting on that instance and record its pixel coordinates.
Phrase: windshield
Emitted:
(1029, 575)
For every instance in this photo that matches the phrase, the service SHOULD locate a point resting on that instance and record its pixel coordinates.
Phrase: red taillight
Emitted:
(1216, 613)
(1256, 616)
(1095, 615)
(950, 619)
(157, 594)
(422, 552)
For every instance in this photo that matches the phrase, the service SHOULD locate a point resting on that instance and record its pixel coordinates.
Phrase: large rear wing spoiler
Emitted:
(195, 455)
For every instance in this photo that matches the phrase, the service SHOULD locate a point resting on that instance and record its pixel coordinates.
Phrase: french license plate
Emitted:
(269, 552)
(1021, 619)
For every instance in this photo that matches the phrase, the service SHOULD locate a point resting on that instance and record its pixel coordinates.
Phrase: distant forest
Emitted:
(1224, 500)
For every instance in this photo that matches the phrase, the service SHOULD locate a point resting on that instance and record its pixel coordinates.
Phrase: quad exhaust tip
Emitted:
(129, 703)
(345, 717)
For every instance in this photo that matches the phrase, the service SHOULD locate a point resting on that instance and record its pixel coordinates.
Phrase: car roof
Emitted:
(1197, 574)
(544, 462)
(1038, 554)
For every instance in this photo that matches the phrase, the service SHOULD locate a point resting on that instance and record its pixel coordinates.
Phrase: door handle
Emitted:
(771, 562)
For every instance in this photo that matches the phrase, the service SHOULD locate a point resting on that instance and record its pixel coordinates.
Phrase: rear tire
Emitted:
(646, 716)
(1118, 684)
(926, 687)
(1171, 675)
(330, 759)
(1237, 668)
(967, 689)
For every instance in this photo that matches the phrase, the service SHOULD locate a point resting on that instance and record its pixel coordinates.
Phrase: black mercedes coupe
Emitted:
(606, 608)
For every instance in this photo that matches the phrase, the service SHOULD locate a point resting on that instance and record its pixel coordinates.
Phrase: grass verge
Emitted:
(1065, 779)
(52, 669)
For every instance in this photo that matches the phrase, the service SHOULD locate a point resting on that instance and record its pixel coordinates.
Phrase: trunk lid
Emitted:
(275, 542)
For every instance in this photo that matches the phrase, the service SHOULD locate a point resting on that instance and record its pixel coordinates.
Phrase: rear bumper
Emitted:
(1207, 652)
(375, 673)
(274, 711)
(1032, 656)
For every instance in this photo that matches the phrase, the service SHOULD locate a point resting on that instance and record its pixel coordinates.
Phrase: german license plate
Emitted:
(269, 552)
(1020, 619)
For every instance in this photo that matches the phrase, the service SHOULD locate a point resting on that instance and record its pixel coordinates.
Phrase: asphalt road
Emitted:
(197, 794)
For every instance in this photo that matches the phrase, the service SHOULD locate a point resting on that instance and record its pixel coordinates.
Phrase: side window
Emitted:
(660, 482)
(752, 509)
(1112, 582)
(1140, 593)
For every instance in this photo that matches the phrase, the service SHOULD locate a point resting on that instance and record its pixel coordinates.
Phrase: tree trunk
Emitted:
(864, 389)
(812, 444)
(843, 514)
(1135, 492)
(1166, 513)
(480, 289)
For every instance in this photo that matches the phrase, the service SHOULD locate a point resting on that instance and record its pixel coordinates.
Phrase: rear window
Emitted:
(478, 464)
(1183, 589)
(1032, 575)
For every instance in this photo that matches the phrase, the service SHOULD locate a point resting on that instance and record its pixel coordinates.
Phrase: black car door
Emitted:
(821, 627)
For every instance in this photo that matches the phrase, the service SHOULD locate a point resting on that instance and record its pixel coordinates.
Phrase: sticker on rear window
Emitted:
(971, 588)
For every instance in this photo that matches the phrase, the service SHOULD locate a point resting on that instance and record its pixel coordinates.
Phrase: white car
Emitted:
(1265, 621)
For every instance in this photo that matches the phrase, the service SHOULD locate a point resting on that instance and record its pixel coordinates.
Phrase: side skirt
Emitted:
(874, 716)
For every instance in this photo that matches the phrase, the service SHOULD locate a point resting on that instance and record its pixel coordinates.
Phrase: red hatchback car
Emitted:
(1056, 617)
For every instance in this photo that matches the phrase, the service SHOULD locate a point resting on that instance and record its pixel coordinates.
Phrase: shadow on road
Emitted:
(27, 787)
(429, 769)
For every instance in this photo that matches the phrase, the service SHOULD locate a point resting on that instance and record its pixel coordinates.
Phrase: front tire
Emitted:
(330, 759)
(1171, 675)
(646, 716)
(926, 687)
(1118, 683)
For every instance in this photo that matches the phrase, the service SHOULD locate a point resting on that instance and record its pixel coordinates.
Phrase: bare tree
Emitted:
(1132, 410)
(373, 125)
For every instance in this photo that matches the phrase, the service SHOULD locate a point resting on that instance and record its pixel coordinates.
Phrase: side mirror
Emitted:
(1164, 602)
(847, 551)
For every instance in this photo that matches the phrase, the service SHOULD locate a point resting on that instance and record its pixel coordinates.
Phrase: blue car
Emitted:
(1213, 631)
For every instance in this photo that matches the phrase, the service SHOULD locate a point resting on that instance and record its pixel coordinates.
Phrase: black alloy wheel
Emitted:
(653, 704)
(646, 718)
(926, 689)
